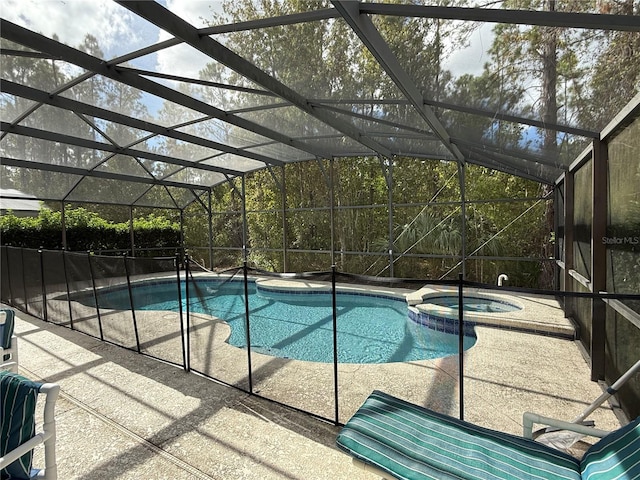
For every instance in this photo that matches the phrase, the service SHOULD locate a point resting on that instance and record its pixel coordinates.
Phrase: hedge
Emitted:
(87, 231)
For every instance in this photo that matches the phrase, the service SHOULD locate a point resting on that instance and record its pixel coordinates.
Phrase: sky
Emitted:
(119, 31)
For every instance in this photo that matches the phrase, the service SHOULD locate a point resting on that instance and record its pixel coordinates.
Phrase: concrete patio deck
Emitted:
(122, 415)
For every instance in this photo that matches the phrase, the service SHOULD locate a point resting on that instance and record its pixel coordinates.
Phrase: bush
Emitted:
(86, 231)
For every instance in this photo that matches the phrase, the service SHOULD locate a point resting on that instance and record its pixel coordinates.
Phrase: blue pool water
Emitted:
(371, 329)
(474, 304)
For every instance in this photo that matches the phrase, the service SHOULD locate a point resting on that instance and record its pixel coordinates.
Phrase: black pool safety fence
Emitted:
(320, 342)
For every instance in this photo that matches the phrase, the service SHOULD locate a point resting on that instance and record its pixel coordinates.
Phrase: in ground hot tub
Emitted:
(474, 303)
(440, 311)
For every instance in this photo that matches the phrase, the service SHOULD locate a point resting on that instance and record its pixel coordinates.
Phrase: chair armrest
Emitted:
(11, 366)
(46, 437)
(17, 452)
(529, 418)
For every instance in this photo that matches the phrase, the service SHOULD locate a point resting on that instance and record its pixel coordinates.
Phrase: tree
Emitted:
(39, 73)
(339, 66)
(615, 76)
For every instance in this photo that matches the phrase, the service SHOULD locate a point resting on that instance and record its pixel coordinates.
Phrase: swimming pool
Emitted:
(370, 328)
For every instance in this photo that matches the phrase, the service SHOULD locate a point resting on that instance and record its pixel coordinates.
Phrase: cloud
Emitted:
(181, 60)
(196, 12)
(184, 60)
(71, 20)
(471, 60)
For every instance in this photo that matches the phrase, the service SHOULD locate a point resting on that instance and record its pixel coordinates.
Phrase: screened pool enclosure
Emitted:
(392, 146)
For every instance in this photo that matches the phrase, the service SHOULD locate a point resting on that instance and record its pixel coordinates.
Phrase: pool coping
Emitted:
(538, 314)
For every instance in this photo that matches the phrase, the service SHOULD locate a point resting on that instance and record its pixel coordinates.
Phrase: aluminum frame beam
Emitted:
(515, 119)
(48, 167)
(484, 161)
(489, 15)
(43, 97)
(380, 121)
(327, 103)
(292, 19)
(372, 39)
(171, 23)
(507, 164)
(482, 148)
(39, 42)
(107, 147)
(629, 23)
(195, 81)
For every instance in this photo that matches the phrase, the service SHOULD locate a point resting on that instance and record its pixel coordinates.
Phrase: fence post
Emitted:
(95, 295)
(66, 281)
(185, 362)
(10, 299)
(44, 288)
(133, 308)
(461, 343)
(24, 285)
(247, 323)
(335, 342)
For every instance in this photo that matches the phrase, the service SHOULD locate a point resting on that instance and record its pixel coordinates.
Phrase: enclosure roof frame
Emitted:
(341, 119)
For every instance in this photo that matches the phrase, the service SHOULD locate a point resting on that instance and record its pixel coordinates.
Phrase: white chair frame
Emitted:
(47, 437)
(12, 362)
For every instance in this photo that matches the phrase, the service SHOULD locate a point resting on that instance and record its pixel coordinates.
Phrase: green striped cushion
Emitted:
(411, 442)
(18, 397)
(616, 456)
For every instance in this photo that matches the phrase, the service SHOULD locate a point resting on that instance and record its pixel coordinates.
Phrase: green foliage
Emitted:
(31, 232)
(87, 231)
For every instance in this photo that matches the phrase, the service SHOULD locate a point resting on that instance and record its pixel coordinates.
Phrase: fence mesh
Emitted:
(114, 304)
(5, 278)
(33, 292)
(55, 287)
(157, 303)
(16, 277)
(84, 309)
(217, 319)
(322, 341)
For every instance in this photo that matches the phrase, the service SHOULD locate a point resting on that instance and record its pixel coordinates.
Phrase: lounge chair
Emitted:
(18, 397)
(398, 440)
(8, 341)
